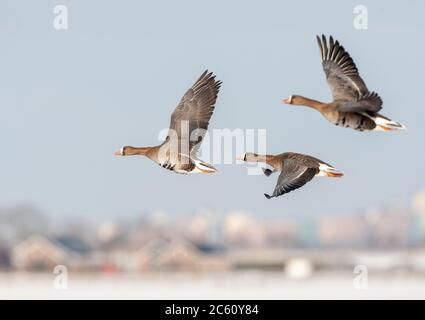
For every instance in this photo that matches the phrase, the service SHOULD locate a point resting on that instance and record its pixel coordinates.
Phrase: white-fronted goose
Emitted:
(188, 126)
(296, 170)
(353, 106)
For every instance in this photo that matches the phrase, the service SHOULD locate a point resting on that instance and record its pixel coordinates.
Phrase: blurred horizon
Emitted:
(58, 217)
(383, 226)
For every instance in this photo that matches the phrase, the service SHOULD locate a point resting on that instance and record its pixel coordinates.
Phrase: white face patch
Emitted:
(242, 157)
(122, 151)
(290, 99)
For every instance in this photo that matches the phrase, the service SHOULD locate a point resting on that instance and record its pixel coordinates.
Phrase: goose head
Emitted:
(248, 157)
(120, 152)
(125, 151)
(287, 100)
(294, 100)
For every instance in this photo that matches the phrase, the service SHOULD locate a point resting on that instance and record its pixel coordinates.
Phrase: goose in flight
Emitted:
(353, 106)
(295, 170)
(189, 123)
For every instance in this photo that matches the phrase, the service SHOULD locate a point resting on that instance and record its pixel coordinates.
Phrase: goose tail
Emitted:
(385, 124)
(326, 170)
(203, 167)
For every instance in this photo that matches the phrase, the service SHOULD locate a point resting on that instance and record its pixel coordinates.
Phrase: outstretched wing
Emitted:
(190, 119)
(294, 175)
(341, 72)
(371, 102)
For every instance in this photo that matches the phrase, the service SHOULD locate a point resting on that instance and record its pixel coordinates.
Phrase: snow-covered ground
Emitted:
(241, 285)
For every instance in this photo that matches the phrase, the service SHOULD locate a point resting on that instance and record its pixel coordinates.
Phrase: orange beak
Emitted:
(118, 153)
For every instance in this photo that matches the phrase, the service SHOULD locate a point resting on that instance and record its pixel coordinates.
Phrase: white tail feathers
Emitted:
(203, 167)
(328, 171)
(383, 124)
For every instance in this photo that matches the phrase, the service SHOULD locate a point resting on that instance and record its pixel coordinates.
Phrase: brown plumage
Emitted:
(296, 170)
(189, 123)
(353, 105)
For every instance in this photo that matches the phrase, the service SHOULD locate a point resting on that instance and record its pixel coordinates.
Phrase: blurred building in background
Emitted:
(208, 241)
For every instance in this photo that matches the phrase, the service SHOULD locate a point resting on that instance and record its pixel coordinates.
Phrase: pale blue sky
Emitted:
(69, 99)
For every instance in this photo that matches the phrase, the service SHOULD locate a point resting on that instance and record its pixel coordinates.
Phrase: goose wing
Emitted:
(371, 102)
(190, 119)
(293, 176)
(341, 72)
